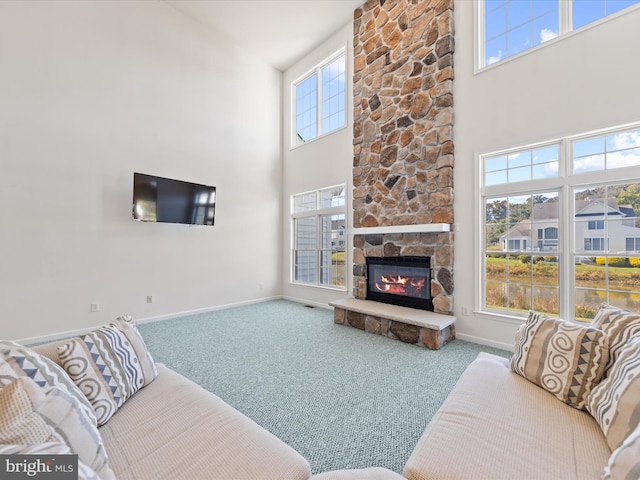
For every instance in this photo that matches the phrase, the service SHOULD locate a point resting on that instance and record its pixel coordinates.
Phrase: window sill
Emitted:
(320, 137)
(500, 317)
(321, 287)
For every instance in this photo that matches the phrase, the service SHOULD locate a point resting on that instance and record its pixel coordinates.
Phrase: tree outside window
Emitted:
(559, 243)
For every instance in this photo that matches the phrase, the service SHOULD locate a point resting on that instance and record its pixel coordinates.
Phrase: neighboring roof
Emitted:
(545, 211)
(522, 229)
(584, 208)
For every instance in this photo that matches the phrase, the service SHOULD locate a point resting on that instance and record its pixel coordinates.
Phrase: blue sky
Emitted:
(512, 26)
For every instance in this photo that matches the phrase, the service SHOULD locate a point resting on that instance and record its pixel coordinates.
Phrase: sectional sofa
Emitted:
(565, 406)
(102, 397)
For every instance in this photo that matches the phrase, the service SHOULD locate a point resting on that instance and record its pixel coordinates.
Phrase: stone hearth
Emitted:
(408, 325)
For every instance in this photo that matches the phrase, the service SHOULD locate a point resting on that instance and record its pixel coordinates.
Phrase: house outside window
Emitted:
(319, 238)
(565, 240)
(515, 245)
(510, 27)
(319, 99)
(633, 244)
(596, 224)
(595, 243)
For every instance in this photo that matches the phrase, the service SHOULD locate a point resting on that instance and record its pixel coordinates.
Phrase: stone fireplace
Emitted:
(403, 139)
(436, 246)
(403, 158)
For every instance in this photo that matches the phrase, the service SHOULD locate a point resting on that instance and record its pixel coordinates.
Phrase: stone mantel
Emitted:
(424, 228)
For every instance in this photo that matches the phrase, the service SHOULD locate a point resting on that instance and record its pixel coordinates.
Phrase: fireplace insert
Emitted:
(404, 281)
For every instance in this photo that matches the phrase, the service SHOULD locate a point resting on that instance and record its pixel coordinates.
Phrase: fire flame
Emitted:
(400, 285)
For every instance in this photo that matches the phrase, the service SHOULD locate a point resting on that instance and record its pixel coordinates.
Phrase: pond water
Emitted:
(588, 296)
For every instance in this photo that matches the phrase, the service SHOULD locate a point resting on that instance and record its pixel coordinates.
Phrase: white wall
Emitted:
(320, 163)
(583, 82)
(91, 92)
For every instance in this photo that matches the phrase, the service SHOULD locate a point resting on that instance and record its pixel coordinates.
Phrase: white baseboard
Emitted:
(206, 309)
(307, 302)
(485, 341)
(74, 333)
(53, 337)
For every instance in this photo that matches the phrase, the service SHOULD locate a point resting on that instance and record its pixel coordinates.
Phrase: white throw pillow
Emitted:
(562, 357)
(20, 361)
(109, 365)
(35, 409)
(614, 402)
(624, 462)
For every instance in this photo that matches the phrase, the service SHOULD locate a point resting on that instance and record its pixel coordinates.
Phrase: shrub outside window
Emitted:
(319, 238)
(320, 100)
(559, 243)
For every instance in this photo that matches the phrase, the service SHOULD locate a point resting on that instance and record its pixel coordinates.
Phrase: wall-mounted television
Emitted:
(159, 199)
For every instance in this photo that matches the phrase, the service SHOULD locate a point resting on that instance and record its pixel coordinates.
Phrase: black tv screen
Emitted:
(158, 199)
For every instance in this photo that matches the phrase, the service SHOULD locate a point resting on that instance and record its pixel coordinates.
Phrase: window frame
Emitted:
(319, 213)
(566, 183)
(565, 29)
(636, 244)
(317, 71)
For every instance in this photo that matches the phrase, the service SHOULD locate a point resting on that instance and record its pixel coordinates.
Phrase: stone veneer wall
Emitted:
(438, 246)
(403, 134)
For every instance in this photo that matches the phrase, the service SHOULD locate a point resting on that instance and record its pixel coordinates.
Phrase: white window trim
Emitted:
(565, 20)
(317, 69)
(317, 214)
(564, 184)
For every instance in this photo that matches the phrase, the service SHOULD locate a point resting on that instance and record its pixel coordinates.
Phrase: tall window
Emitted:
(319, 238)
(509, 27)
(320, 100)
(562, 240)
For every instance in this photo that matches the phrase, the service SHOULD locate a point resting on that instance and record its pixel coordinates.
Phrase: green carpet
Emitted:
(341, 397)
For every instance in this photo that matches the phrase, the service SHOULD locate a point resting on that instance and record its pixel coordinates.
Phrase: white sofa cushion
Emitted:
(562, 357)
(175, 429)
(497, 425)
(372, 473)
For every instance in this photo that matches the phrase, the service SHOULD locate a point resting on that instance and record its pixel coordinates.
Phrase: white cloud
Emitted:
(550, 169)
(624, 140)
(495, 58)
(623, 159)
(546, 35)
(589, 164)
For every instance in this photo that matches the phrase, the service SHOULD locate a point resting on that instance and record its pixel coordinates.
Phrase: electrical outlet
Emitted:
(465, 311)
(94, 307)
(149, 298)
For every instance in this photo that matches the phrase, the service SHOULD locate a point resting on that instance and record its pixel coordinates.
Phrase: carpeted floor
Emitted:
(341, 397)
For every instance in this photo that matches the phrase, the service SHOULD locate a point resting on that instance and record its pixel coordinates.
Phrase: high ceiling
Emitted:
(278, 31)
